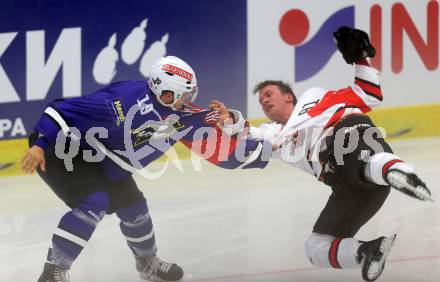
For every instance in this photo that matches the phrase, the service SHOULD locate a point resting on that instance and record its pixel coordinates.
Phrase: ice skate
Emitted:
(53, 273)
(153, 269)
(409, 184)
(373, 255)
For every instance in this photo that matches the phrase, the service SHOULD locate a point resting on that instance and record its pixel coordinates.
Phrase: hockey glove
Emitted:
(354, 44)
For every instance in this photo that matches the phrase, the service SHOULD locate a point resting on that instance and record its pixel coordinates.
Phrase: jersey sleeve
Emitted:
(265, 132)
(366, 84)
(220, 148)
(50, 123)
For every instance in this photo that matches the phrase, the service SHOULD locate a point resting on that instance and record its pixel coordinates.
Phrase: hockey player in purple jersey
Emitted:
(114, 132)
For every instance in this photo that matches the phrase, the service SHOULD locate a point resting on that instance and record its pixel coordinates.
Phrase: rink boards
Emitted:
(424, 122)
(62, 51)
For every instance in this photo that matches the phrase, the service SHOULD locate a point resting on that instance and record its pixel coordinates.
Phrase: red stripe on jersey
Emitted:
(369, 88)
(337, 116)
(219, 143)
(345, 96)
(333, 253)
(387, 166)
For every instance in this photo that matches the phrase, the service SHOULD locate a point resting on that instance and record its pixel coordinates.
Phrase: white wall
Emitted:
(269, 57)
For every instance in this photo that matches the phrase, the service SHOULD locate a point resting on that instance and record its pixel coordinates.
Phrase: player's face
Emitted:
(168, 99)
(275, 104)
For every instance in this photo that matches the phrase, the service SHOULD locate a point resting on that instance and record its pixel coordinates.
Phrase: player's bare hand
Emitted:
(34, 158)
(221, 108)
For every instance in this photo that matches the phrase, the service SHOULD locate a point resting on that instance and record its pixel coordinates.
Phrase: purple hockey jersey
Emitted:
(135, 129)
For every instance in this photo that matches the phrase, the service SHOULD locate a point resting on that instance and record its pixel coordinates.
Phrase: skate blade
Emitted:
(386, 245)
(376, 267)
(153, 278)
(405, 185)
(147, 277)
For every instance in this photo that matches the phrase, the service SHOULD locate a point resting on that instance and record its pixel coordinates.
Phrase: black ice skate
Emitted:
(153, 269)
(373, 255)
(53, 273)
(409, 184)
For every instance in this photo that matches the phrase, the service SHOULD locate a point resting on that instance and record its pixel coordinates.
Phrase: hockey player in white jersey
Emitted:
(327, 134)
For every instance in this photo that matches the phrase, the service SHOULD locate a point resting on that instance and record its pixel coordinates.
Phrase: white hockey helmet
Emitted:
(173, 74)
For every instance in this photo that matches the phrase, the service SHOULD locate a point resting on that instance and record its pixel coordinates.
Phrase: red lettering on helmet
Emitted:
(177, 71)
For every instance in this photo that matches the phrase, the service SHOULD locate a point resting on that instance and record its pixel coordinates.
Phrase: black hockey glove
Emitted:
(354, 44)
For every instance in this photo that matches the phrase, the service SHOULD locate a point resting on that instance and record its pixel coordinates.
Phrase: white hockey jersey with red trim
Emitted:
(298, 142)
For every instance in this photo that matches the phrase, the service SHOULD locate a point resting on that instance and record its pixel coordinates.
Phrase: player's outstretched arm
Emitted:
(230, 121)
(224, 113)
(227, 145)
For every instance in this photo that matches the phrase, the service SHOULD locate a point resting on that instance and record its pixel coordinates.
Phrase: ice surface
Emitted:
(222, 225)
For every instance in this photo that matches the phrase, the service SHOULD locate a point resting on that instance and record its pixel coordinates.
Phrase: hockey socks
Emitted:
(331, 252)
(75, 229)
(137, 227)
(327, 251)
